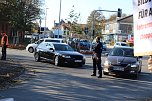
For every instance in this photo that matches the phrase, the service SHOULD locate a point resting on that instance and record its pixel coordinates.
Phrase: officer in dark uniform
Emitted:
(97, 50)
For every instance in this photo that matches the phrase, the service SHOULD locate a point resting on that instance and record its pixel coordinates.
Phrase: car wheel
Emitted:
(105, 73)
(81, 65)
(139, 71)
(135, 75)
(31, 50)
(56, 61)
(37, 57)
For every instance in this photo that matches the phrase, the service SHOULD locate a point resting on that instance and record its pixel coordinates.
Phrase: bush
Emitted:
(13, 46)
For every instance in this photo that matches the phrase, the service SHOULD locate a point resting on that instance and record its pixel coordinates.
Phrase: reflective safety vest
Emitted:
(3, 41)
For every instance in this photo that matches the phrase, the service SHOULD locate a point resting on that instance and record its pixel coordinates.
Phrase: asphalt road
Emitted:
(47, 82)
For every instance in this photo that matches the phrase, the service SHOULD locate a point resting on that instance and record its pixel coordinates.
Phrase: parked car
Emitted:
(37, 36)
(117, 44)
(31, 47)
(85, 43)
(103, 43)
(59, 53)
(121, 60)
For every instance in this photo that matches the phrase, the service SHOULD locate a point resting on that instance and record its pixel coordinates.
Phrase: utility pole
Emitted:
(119, 12)
(59, 19)
(45, 20)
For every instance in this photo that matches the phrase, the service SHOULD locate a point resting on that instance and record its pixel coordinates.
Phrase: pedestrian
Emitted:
(150, 63)
(96, 57)
(4, 43)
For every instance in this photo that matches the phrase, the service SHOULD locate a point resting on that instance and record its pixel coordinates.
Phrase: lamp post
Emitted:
(45, 20)
(93, 32)
(39, 28)
(59, 18)
(93, 20)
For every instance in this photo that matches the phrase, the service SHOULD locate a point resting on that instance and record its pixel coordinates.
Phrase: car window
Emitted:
(127, 52)
(116, 52)
(117, 43)
(49, 45)
(41, 41)
(62, 47)
(123, 44)
(58, 41)
(38, 42)
(41, 45)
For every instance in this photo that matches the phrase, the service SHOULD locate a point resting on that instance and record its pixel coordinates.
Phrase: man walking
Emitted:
(97, 50)
(4, 43)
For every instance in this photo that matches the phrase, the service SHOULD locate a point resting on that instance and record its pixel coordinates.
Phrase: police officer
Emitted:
(97, 50)
(4, 43)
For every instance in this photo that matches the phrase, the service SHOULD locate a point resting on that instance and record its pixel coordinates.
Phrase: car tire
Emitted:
(139, 71)
(135, 75)
(37, 57)
(30, 49)
(105, 73)
(81, 65)
(56, 61)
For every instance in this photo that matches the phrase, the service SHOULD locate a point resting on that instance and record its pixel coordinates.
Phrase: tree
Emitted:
(72, 21)
(99, 23)
(114, 16)
(20, 14)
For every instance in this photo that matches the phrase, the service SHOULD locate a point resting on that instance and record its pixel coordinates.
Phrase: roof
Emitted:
(127, 19)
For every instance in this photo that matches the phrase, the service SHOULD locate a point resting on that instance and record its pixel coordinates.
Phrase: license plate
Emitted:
(118, 68)
(78, 60)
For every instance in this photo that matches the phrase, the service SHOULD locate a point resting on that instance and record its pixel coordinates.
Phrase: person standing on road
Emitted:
(4, 43)
(97, 50)
(150, 64)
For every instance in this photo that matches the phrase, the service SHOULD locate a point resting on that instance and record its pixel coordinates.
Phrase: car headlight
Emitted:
(84, 57)
(66, 56)
(134, 65)
(107, 63)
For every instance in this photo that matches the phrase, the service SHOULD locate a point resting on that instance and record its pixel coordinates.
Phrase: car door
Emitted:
(40, 49)
(50, 52)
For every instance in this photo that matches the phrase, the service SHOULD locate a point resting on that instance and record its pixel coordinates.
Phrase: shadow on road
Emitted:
(56, 85)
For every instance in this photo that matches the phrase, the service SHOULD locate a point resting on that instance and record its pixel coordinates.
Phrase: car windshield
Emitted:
(62, 47)
(58, 41)
(123, 44)
(126, 52)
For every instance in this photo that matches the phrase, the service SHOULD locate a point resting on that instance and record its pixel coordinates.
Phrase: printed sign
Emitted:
(142, 16)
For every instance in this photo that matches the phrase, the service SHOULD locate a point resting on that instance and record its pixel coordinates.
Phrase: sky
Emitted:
(84, 7)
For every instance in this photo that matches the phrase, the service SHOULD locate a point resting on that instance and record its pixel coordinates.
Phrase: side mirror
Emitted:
(51, 49)
(140, 56)
(106, 54)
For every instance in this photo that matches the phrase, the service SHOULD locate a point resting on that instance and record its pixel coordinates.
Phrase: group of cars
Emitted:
(120, 59)
(56, 51)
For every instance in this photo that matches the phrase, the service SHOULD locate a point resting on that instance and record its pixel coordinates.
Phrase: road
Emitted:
(51, 83)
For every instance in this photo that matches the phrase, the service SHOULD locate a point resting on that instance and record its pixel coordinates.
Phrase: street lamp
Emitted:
(45, 20)
(59, 18)
(93, 29)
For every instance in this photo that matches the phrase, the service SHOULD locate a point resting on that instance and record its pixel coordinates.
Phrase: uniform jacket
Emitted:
(98, 49)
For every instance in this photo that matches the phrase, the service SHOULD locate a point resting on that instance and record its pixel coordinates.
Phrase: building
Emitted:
(62, 30)
(119, 30)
